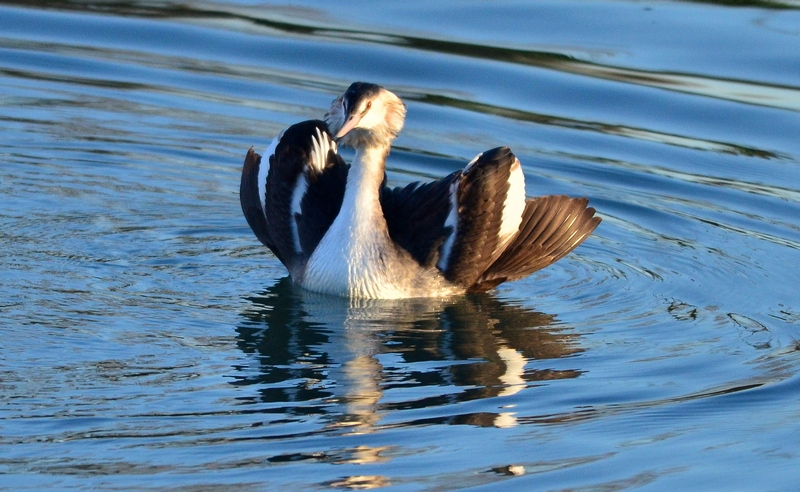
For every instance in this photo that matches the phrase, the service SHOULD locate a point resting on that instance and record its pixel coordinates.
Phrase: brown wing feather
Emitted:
(322, 201)
(552, 226)
(251, 202)
(285, 169)
(482, 192)
(415, 216)
(276, 224)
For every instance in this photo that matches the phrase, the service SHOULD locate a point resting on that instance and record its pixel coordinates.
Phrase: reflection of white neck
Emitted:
(358, 377)
(362, 392)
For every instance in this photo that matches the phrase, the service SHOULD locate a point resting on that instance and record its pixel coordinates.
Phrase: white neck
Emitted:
(352, 258)
(361, 196)
(356, 257)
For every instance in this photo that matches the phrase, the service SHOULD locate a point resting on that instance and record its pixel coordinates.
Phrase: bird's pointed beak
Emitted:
(351, 123)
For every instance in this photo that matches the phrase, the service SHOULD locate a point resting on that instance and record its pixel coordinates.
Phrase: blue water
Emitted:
(148, 341)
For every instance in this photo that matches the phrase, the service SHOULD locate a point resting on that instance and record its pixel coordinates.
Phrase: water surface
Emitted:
(150, 342)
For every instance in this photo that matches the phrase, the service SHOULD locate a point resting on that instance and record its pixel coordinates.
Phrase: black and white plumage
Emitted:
(340, 230)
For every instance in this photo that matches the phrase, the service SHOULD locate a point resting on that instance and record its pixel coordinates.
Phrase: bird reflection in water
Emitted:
(343, 358)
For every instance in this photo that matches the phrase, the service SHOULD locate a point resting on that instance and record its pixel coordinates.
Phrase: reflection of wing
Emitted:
(483, 324)
(480, 347)
(291, 202)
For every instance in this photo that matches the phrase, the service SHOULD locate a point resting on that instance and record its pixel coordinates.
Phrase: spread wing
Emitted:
(416, 215)
(458, 223)
(477, 227)
(487, 200)
(551, 227)
(291, 200)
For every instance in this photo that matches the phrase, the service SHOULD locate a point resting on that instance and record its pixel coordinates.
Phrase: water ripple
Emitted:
(150, 341)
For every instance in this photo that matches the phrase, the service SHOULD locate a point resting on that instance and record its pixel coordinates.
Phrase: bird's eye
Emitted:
(369, 105)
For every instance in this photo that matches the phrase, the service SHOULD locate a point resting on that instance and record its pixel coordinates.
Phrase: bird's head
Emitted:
(367, 115)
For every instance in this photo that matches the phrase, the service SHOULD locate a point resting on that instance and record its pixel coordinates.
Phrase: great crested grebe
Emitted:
(340, 230)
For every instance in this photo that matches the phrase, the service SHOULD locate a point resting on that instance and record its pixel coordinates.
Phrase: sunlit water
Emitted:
(149, 341)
